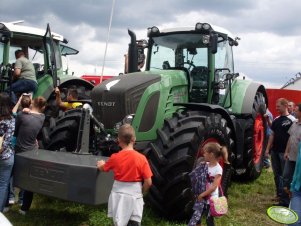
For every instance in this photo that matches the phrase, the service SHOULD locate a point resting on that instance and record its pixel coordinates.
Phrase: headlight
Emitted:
(128, 119)
(152, 30)
(198, 26)
(206, 39)
(206, 26)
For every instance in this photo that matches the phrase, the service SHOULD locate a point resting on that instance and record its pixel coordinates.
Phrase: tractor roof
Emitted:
(12, 27)
(215, 28)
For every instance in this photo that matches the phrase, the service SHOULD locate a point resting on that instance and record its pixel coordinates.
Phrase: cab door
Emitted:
(51, 57)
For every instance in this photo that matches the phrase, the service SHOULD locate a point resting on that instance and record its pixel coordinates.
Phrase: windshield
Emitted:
(178, 50)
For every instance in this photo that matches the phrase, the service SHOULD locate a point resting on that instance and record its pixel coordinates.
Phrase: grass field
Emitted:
(247, 202)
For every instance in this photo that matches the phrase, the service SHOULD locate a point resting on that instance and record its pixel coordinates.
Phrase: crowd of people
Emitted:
(284, 150)
(20, 124)
(19, 129)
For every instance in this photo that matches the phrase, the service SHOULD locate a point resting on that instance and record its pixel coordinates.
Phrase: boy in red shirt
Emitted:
(130, 169)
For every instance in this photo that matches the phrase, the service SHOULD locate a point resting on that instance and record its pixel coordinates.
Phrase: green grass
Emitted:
(247, 206)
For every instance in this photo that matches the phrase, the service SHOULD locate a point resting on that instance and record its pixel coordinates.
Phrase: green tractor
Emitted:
(46, 51)
(187, 96)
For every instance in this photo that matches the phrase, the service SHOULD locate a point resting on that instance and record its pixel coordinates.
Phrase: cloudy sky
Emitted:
(270, 31)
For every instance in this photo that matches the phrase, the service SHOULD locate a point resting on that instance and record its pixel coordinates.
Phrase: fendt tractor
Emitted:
(187, 96)
(46, 51)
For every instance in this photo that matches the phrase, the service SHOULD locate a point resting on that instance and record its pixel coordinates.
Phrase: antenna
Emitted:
(108, 37)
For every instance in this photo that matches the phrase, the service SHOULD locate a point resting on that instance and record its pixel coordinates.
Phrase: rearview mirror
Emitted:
(213, 42)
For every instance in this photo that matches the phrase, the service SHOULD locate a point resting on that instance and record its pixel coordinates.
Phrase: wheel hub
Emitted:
(258, 137)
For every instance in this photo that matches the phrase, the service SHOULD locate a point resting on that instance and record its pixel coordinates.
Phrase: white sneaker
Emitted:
(22, 212)
(5, 209)
(11, 202)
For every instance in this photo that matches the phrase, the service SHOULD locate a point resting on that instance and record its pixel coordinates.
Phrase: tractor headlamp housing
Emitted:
(152, 31)
(203, 27)
(128, 119)
(206, 39)
(198, 26)
(206, 26)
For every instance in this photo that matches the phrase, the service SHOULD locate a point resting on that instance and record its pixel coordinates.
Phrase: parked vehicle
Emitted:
(188, 95)
(46, 51)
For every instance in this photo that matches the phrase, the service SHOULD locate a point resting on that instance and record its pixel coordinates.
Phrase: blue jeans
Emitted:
(6, 167)
(296, 206)
(11, 191)
(288, 173)
(278, 168)
(23, 86)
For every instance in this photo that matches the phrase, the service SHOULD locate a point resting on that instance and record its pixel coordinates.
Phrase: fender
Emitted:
(243, 94)
(48, 86)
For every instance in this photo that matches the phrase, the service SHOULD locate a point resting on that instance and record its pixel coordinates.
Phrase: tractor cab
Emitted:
(43, 48)
(203, 52)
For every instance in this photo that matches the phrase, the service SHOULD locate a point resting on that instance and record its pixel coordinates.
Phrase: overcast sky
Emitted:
(270, 30)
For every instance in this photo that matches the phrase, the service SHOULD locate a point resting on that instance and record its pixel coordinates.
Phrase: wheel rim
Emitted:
(258, 137)
(200, 150)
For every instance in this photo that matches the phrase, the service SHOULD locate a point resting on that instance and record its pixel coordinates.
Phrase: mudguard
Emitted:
(63, 175)
(243, 94)
(46, 88)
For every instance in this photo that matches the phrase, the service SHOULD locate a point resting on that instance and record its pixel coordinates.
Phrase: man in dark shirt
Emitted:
(277, 142)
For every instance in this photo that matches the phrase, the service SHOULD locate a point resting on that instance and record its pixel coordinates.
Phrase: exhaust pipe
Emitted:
(132, 53)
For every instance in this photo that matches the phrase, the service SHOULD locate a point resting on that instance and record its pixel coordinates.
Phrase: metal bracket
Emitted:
(83, 136)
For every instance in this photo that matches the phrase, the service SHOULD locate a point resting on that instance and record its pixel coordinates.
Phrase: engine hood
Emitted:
(115, 98)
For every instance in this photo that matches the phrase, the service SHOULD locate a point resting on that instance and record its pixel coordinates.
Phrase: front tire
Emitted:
(174, 154)
(64, 131)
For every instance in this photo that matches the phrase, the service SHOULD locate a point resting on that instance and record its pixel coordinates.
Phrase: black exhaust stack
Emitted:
(132, 53)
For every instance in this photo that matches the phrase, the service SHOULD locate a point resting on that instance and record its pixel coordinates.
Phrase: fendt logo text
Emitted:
(106, 104)
(47, 173)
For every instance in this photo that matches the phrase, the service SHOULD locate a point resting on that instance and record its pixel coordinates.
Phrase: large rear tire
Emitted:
(255, 139)
(174, 154)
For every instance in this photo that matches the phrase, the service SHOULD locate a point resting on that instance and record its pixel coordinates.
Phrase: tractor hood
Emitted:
(118, 97)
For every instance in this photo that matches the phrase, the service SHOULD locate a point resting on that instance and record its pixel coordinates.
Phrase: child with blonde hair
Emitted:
(207, 176)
